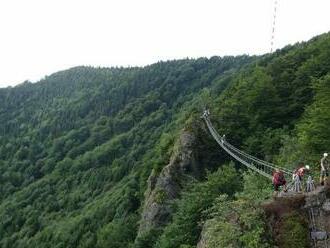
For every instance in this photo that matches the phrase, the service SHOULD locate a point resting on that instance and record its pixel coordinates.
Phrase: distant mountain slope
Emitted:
(77, 148)
(276, 109)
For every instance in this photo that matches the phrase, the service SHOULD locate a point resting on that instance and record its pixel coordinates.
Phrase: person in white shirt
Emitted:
(324, 169)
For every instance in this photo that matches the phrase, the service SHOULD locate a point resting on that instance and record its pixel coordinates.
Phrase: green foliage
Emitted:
(76, 148)
(294, 232)
(185, 228)
(147, 239)
(291, 152)
(219, 229)
(271, 98)
(314, 129)
(118, 233)
(311, 137)
(239, 222)
(160, 196)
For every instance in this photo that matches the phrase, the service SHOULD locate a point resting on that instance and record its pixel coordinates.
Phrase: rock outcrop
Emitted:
(293, 220)
(310, 210)
(166, 187)
(318, 207)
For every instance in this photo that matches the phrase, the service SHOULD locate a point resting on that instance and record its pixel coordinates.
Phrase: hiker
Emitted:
(278, 180)
(324, 169)
(298, 175)
(206, 113)
(301, 170)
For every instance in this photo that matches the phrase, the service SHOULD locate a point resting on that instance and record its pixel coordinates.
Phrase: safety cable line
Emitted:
(216, 136)
(286, 171)
(264, 168)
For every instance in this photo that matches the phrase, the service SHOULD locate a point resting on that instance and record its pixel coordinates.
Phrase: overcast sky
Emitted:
(39, 37)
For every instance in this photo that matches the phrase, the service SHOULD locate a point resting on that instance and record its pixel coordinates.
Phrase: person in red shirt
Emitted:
(300, 172)
(278, 180)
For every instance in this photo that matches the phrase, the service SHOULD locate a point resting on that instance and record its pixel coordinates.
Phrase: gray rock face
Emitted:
(319, 235)
(202, 243)
(326, 206)
(315, 198)
(315, 206)
(317, 203)
(162, 190)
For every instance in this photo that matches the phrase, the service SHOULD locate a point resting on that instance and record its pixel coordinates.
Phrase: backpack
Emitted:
(279, 178)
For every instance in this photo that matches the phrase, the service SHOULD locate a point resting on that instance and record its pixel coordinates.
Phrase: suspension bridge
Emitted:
(264, 168)
(318, 236)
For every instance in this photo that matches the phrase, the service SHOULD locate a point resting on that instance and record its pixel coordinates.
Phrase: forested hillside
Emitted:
(78, 147)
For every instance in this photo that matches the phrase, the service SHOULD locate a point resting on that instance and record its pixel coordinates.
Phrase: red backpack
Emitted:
(279, 178)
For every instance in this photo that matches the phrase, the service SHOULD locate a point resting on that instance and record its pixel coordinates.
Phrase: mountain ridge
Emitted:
(77, 148)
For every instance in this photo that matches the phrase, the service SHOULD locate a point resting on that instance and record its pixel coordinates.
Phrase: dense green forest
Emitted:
(77, 148)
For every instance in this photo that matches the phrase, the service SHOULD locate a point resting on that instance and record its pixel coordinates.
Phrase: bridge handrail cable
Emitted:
(262, 167)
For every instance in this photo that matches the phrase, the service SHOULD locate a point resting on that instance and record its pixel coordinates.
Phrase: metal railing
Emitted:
(262, 167)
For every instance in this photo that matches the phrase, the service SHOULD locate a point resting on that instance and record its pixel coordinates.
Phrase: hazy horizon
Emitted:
(40, 38)
(139, 66)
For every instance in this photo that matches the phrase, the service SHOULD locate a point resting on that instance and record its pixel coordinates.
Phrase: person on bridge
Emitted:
(301, 170)
(298, 175)
(324, 169)
(206, 113)
(278, 181)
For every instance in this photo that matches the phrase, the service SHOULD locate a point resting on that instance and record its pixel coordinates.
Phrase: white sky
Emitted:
(39, 37)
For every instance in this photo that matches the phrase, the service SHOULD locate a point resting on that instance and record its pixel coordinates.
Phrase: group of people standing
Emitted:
(279, 179)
